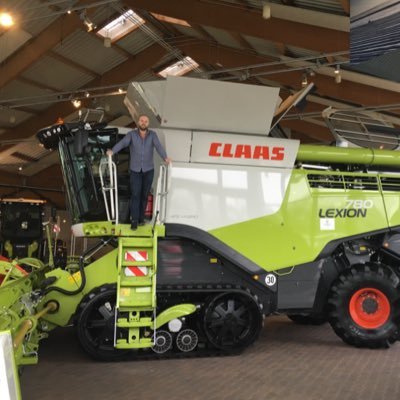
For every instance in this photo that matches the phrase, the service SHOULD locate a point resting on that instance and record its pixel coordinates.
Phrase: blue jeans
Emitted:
(140, 187)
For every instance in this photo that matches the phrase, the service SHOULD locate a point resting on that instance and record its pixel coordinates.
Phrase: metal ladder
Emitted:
(135, 316)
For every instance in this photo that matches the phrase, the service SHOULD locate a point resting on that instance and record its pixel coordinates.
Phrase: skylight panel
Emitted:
(179, 68)
(121, 26)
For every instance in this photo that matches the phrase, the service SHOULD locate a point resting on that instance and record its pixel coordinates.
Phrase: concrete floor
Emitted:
(288, 362)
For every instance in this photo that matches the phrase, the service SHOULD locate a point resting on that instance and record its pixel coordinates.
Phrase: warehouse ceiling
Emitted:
(55, 54)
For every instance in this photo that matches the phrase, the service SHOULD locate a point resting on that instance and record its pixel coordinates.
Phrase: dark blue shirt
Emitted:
(141, 150)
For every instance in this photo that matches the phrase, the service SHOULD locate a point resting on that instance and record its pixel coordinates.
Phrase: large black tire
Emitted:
(364, 306)
(308, 319)
(95, 324)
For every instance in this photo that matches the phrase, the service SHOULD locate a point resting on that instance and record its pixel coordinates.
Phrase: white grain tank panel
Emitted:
(222, 37)
(89, 51)
(115, 105)
(54, 73)
(135, 42)
(146, 99)
(177, 143)
(262, 46)
(210, 105)
(213, 196)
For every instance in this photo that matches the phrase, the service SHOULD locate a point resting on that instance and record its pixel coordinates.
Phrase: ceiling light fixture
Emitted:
(107, 42)
(76, 103)
(304, 81)
(87, 22)
(266, 14)
(6, 20)
(311, 72)
(338, 76)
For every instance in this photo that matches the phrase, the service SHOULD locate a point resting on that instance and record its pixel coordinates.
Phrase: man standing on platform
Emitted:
(141, 142)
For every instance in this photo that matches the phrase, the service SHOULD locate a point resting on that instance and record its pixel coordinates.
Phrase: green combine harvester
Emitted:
(244, 225)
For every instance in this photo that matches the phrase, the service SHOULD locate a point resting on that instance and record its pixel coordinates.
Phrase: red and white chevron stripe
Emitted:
(136, 255)
(136, 271)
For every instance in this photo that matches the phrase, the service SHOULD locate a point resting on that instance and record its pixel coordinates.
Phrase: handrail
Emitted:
(162, 189)
(156, 208)
(112, 188)
(111, 176)
(169, 174)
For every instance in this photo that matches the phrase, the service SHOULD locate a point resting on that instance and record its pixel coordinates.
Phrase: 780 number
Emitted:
(357, 204)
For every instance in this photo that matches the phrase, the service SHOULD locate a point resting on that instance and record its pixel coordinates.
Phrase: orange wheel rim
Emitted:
(369, 308)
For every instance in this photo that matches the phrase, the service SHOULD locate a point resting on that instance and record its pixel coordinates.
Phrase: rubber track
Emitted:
(141, 354)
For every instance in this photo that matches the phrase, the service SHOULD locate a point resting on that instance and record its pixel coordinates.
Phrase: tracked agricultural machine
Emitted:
(244, 225)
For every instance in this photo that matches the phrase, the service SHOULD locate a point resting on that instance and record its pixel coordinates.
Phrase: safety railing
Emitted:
(110, 188)
(162, 190)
